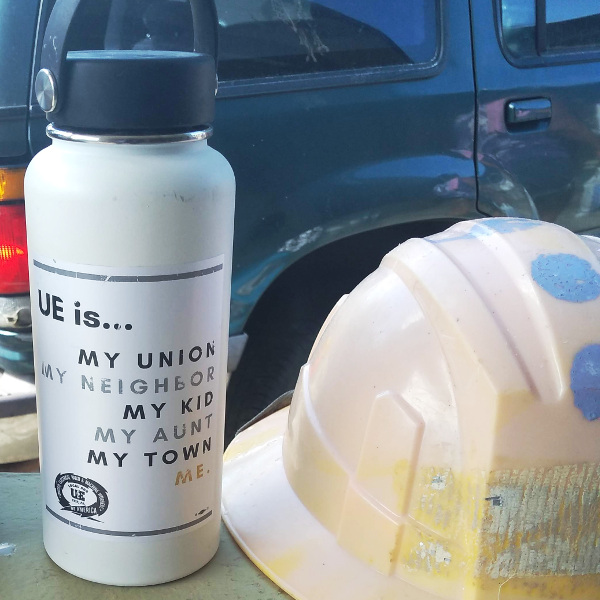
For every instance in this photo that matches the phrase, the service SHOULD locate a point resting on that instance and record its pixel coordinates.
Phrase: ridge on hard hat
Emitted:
(444, 436)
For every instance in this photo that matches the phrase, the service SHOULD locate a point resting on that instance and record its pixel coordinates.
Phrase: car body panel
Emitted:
(18, 21)
(317, 165)
(551, 166)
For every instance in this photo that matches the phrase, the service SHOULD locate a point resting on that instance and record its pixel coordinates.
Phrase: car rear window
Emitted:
(18, 20)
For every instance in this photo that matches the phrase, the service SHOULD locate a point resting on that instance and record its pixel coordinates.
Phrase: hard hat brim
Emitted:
(281, 536)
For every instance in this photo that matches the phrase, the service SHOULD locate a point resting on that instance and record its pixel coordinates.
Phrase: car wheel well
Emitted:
(355, 256)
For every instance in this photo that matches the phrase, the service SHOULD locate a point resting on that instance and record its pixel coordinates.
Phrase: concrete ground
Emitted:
(27, 573)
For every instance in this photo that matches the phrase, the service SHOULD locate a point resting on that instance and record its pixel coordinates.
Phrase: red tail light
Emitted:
(14, 275)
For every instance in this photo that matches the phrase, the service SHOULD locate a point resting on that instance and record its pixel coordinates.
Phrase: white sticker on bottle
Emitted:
(128, 371)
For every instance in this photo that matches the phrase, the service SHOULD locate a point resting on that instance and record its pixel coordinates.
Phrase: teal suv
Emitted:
(351, 126)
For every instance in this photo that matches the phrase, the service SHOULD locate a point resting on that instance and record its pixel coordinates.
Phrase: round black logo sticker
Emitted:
(80, 495)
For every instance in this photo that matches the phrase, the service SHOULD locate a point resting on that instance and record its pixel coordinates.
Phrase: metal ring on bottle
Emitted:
(166, 138)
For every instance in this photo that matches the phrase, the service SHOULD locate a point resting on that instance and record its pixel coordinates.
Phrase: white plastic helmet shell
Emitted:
(444, 436)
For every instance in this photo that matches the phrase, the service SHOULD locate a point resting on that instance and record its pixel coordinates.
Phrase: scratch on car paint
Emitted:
(305, 238)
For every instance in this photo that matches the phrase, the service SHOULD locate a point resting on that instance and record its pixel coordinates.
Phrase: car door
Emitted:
(538, 94)
(340, 117)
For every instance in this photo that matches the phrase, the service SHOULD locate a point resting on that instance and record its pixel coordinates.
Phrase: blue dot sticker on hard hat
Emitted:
(507, 225)
(585, 381)
(566, 277)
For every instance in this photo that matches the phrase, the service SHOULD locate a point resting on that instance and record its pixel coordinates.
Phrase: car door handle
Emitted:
(525, 111)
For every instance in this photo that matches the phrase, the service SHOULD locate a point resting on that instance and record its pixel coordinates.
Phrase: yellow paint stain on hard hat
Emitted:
(497, 534)
(244, 445)
(515, 534)
(521, 533)
(440, 539)
(542, 521)
(402, 480)
(445, 503)
(286, 563)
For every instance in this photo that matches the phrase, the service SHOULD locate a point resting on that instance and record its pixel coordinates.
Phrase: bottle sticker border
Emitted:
(127, 278)
(160, 273)
(205, 516)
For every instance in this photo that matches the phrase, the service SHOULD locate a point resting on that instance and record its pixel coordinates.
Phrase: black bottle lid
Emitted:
(128, 91)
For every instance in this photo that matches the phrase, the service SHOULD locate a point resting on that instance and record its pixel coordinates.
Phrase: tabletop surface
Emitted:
(26, 572)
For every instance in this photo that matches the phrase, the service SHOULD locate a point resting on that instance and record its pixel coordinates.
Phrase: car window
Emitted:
(273, 38)
(17, 30)
(262, 38)
(572, 24)
(266, 38)
(541, 27)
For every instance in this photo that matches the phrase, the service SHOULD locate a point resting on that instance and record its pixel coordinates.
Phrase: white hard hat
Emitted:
(444, 437)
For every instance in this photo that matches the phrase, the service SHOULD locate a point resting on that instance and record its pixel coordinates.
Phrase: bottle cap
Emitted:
(128, 91)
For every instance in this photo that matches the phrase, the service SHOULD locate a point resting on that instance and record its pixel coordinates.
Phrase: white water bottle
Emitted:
(130, 229)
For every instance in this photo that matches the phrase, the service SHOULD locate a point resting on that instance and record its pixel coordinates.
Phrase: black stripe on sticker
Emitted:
(83, 527)
(128, 278)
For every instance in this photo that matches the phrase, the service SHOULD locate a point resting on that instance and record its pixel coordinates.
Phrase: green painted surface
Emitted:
(26, 572)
